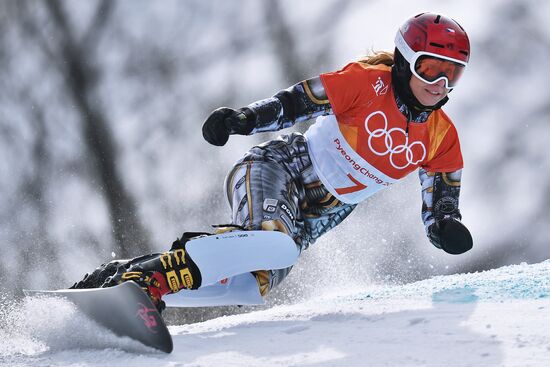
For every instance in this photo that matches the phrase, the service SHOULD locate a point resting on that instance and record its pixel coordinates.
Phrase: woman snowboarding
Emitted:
(377, 120)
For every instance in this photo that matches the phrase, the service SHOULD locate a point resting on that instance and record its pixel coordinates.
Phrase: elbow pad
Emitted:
(304, 100)
(296, 104)
(291, 103)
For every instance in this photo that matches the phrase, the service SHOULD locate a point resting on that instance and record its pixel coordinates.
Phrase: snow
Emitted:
(494, 318)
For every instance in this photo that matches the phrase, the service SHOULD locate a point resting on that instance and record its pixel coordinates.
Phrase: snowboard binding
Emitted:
(157, 274)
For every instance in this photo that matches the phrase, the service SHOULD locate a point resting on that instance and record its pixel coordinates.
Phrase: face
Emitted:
(428, 94)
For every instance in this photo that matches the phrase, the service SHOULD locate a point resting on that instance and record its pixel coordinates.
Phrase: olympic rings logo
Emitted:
(393, 151)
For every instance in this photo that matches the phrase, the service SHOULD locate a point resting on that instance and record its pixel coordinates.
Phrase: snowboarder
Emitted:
(377, 120)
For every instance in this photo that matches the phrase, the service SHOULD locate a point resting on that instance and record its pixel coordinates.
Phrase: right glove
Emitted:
(451, 236)
(225, 121)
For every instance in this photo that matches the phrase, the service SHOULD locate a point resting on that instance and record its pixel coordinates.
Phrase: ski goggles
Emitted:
(430, 67)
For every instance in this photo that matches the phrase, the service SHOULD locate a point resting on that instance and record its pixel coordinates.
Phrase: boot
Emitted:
(158, 274)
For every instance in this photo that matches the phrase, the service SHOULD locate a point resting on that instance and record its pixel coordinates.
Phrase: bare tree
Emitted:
(74, 57)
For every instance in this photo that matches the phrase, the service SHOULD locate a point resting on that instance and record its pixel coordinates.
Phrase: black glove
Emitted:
(451, 236)
(225, 121)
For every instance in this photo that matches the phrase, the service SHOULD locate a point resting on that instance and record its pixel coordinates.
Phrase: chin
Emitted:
(430, 102)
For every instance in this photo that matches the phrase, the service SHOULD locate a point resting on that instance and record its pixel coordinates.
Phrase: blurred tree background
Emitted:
(102, 103)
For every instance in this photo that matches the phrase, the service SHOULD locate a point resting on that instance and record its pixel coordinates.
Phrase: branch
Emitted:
(28, 25)
(103, 13)
(58, 13)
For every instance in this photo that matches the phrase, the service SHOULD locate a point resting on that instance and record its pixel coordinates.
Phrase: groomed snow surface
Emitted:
(495, 318)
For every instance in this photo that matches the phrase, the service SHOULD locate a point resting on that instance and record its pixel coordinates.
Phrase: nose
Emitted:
(440, 83)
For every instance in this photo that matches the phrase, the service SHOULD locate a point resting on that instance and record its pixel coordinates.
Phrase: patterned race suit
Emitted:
(364, 139)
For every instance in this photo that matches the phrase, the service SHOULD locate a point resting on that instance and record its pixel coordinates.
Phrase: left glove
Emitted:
(451, 236)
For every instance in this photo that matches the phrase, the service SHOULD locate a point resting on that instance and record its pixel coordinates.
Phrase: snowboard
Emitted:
(225, 262)
(124, 309)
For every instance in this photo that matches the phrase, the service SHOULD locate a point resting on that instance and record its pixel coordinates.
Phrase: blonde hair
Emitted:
(377, 58)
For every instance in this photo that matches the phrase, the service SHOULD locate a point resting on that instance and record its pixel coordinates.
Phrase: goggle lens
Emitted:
(430, 69)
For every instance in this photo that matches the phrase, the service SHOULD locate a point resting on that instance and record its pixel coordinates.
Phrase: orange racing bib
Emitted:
(368, 144)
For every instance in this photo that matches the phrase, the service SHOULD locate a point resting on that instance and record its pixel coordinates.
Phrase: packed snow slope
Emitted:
(495, 318)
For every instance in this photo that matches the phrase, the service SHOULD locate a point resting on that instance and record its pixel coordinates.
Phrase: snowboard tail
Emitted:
(124, 309)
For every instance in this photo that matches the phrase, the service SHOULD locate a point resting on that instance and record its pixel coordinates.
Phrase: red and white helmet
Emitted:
(436, 47)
